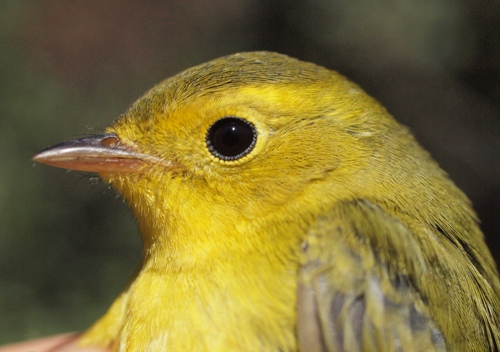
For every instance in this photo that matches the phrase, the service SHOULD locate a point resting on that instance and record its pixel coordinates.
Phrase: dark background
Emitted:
(69, 68)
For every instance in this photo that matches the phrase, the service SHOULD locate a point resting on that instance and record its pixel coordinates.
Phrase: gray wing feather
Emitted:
(351, 299)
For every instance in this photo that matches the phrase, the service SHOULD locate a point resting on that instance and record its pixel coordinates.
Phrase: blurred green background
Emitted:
(69, 68)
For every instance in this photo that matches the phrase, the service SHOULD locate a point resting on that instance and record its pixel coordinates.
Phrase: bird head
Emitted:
(249, 139)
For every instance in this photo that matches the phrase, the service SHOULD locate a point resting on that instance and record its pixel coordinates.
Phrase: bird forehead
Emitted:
(240, 70)
(274, 84)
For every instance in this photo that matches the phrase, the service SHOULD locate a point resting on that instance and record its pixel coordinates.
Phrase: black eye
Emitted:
(231, 138)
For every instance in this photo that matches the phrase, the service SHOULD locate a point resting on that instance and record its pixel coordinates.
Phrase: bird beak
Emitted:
(99, 153)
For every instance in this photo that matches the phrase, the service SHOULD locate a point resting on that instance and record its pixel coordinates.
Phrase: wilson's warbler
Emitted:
(281, 209)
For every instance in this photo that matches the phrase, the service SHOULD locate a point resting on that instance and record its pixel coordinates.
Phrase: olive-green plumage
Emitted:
(330, 230)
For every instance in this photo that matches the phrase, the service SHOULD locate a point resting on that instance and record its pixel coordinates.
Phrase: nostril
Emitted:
(110, 142)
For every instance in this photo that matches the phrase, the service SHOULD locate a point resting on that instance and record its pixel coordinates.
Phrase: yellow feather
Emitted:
(335, 231)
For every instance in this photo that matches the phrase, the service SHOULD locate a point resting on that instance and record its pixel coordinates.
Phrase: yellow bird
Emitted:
(283, 209)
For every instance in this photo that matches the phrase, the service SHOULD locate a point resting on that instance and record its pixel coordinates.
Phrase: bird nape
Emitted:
(281, 208)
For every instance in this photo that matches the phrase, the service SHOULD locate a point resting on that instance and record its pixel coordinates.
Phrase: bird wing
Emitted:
(356, 292)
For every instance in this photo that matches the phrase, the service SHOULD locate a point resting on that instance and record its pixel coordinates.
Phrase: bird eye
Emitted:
(231, 138)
